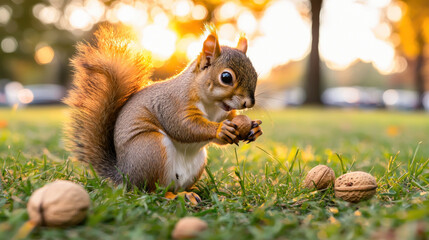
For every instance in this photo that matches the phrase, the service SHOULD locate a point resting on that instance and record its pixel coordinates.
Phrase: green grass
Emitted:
(249, 192)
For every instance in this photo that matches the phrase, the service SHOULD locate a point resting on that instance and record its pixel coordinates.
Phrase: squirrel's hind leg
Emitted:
(142, 159)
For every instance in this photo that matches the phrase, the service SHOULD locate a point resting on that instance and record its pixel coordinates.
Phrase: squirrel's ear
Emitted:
(242, 44)
(211, 50)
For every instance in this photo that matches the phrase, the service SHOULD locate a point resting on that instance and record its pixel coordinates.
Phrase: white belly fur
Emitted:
(184, 162)
(187, 159)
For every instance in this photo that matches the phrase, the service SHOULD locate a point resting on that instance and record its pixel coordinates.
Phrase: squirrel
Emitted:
(155, 132)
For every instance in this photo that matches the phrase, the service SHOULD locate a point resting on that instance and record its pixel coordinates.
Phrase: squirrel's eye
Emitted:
(226, 78)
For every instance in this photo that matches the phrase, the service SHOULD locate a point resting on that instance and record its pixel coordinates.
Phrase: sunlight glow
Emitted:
(194, 48)
(401, 64)
(135, 15)
(159, 40)
(379, 3)
(352, 31)
(383, 31)
(247, 23)
(182, 8)
(95, 9)
(126, 13)
(161, 19)
(80, 19)
(227, 33)
(394, 13)
(199, 12)
(277, 46)
(189, 45)
(227, 11)
(383, 56)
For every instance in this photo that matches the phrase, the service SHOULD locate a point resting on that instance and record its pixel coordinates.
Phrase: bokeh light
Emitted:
(247, 23)
(390, 97)
(49, 14)
(276, 46)
(350, 31)
(394, 13)
(184, 43)
(80, 19)
(25, 96)
(95, 9)
(227, 33)
(159, 40)
(182, 8)
(5, 14)
(199, 12)
(353, 31)
(9, 45)
(278, 31)
(227, 11)
(44, 55)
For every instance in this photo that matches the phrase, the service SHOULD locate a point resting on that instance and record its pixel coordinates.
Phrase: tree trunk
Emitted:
(419, 78)
(313, 86)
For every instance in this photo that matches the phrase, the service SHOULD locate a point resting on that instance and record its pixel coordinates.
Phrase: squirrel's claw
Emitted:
(255, 132)
(191, 197)
(256, 123)
(228, 133)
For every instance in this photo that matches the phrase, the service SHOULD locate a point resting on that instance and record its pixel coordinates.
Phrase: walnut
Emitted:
(355, 186)
(58, 204)
(189, 227)
(319, 177)
(244, 124)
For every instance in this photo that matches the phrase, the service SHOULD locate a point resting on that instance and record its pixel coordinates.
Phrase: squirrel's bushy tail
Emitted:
(106, 73)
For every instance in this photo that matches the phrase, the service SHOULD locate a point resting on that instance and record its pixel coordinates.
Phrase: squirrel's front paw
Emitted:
(255, 132)
(227, 132)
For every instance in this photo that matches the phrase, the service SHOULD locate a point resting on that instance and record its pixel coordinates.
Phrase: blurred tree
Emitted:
(313, 84)
(413, 30)
(30, 33)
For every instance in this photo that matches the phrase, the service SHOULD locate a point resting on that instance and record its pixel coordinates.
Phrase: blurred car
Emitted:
(15, 93)
(46, 93)
(426, 101)
(364, 97)
(3, 99)
(400, 99)
(294, 96)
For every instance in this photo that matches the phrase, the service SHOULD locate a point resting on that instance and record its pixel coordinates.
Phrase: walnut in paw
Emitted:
(244, 124)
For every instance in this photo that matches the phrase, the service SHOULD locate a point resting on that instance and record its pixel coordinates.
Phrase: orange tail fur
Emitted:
(106, 73)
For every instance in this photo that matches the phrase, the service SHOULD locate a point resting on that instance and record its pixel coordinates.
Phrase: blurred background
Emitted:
(343, 53)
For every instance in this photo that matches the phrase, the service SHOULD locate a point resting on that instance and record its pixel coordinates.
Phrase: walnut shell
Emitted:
(58, 204)
(355, 186)
(189, 227)
(244, 124)
(320, 176)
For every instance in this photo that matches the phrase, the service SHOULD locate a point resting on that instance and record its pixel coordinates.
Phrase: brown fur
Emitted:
(119, 127)
(106, 74)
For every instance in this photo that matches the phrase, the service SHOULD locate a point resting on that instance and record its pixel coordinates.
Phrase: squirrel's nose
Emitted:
(248, 102)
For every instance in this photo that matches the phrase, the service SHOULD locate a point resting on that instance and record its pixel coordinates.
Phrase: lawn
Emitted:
(253, 191)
